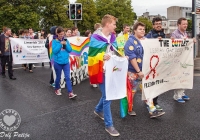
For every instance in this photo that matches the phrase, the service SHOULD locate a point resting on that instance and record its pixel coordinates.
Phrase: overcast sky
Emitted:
(155, 7)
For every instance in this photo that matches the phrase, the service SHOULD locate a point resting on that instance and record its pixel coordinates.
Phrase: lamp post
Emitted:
(193, 18)
(193, 24)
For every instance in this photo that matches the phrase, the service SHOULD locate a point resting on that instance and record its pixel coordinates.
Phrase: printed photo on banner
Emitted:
(167, 64)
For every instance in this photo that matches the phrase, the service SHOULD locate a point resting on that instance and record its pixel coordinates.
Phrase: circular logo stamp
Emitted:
(9, 120)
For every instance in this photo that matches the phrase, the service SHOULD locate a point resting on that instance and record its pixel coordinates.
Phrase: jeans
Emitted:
(66, 69)
(104, 106)
(135, 81)
(52, 79)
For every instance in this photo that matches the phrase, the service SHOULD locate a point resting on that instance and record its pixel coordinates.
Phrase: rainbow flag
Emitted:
(77, 50)
(97, 48)
(127, 102)
(50, 47)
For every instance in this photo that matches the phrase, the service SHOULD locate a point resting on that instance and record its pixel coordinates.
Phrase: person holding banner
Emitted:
(134, 50)
(156, 32)
(5, 53)
(101, 47)
(25, 34)
(61, 49)
(180, 33)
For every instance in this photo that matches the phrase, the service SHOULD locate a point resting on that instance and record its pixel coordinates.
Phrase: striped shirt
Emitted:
(178, 35)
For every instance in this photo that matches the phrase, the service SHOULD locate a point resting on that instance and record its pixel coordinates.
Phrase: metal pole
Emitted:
(75, 23)
(193, 18)
(193, 23)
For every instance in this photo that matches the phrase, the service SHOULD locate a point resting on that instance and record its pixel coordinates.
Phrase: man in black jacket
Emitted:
(6, 54)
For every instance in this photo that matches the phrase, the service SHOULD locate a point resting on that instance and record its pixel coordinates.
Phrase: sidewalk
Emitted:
(197, 66)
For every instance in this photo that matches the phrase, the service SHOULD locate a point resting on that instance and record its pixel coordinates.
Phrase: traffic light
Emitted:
(72, 11)
(78, 11)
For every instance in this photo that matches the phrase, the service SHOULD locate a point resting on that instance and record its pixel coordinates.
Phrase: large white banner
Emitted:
(167, 64)
(28, 51)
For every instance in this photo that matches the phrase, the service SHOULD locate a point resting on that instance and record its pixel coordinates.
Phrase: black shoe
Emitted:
(13, 78)
(3, 76)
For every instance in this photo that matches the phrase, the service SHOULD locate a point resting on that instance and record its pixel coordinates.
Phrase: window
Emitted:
(172, 23)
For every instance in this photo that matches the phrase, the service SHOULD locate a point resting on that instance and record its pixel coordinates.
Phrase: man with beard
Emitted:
(156, 32)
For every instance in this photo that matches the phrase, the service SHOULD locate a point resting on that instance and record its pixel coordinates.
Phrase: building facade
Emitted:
(175, 12)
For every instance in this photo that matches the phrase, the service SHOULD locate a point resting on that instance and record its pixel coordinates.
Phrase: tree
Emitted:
(147, 22)
(89, 17)
(18, 14)
(121, 9)
(54, 13)
(189, 28)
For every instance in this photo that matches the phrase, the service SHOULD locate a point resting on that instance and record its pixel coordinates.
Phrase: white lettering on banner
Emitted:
(28, 51)
(167, 64)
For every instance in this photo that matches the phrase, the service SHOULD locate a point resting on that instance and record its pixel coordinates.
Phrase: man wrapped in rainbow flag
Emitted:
(102, 45)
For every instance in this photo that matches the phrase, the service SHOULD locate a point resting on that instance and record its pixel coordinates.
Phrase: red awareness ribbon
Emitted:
(153, 69)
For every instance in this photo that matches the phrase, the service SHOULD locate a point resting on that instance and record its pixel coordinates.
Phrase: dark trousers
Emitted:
(29, 66)
(0, 67)
(155, 100)
(52, 79)
(6, 59)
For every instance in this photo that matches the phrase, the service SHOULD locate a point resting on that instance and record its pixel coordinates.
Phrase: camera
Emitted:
(64, 46)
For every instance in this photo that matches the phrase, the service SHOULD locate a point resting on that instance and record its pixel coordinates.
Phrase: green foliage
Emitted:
(121, 9)
(147, 22)
(89, 17)
(17, 15)
(22, 14)
(54, 13)
(189, 28)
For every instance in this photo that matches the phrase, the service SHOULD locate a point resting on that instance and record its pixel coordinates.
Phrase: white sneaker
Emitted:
(132, 113)
(58, 92)
(94, 85)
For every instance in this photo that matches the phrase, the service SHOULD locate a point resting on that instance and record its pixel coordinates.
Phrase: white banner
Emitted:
(167, 65)
(28, 51)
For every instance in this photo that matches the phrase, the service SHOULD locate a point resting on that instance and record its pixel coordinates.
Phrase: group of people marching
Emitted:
(134, 52)
(102, 42)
